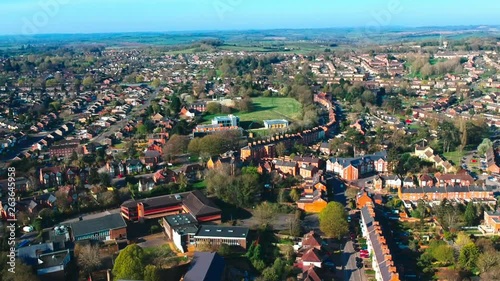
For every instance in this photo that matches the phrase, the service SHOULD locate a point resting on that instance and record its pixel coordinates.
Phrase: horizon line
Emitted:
(250, 29)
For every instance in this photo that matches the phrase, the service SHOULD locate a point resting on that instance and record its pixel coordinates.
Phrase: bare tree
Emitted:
(89, 258)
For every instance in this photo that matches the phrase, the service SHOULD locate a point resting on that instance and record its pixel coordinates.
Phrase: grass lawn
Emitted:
(200, 185)
(266, 109)
(121, 145)
(455, 156)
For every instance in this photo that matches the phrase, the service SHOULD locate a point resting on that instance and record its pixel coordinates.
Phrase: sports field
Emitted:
(267, 109)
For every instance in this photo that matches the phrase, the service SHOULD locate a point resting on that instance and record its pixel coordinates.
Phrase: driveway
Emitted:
(153, 241)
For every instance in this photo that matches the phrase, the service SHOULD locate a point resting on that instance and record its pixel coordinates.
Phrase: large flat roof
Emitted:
(85, 227)
(222, 231)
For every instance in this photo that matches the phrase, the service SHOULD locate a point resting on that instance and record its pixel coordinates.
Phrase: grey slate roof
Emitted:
(206, 267)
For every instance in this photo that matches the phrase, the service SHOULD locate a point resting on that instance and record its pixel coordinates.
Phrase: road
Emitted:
(351, 271)
(120, 124)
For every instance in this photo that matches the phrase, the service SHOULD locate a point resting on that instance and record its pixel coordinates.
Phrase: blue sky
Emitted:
(90, 16)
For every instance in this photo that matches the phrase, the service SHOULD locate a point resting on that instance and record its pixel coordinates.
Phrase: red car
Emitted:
(365, 256)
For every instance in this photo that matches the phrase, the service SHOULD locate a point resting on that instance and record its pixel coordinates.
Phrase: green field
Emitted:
(266, 109)
(455, 156)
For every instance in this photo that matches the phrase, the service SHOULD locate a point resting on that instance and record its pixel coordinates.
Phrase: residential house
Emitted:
(408, 182)
(115, 169)
(133, 166)
(146, 184)
(381, 257)
(392, 181)
(451, 192)
(307, 171)
(461, 179)
(151, 159)
(378, 183)
(310, 161)
(191, 170)
(313, 202)
(425, 180)
(312, 240)
(354, 168)
(286, 167)
(312, 257)
(51, 176)
(491, 161)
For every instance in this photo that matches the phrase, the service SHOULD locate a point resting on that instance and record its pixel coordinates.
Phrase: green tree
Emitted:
(295, 194)
(444, 254)
(151, 273)
(264, 213)
(333, 220)
(470, 216)
(468, 256)
(129, 264)
(484, 146)
(88, 82)
(156, 83)
(280, 149)
(105, 179)
(462, 240)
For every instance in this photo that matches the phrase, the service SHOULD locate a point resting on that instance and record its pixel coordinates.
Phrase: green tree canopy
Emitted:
(333, 220)
(129, 264)
(468, 256)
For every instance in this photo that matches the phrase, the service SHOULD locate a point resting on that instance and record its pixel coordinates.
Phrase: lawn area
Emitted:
(455, 156)
(266, 109)
(200, 185)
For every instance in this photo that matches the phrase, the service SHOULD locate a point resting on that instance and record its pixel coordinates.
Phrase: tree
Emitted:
(448, 136)
(141, 130)
(470, 216)
(156, 83)
(105, 179)
(462, 240)
(488, 260)
(129, 263)
(88, 82)
(468, 256)
(444, 254)
(368, 97)
(88, 259)
(484, 146)
(333, 220)
(176, 145)
(295, 195)
(280, 149)
(264, 213)
(427, 70)
(151, 273)
(62, 202)
(224, 250)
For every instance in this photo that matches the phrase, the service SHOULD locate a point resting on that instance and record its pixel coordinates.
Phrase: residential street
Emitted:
(351, 272)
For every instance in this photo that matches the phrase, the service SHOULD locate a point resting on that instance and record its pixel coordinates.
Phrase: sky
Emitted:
(102, 16)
